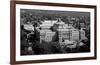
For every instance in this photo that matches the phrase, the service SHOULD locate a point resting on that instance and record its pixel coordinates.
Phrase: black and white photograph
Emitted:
(54, 32)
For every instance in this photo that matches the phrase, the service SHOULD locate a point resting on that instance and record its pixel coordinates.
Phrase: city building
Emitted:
(67, 34)
(45, 33)
(29, 27)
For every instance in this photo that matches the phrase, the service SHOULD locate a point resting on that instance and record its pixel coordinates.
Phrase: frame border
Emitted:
(13, 31)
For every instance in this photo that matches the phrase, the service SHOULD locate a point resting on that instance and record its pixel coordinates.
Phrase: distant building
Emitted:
(75, 35)
(64, 31)
(68, 32)
(29, 27)
(82, 25)
(83, 35)
(45, 33)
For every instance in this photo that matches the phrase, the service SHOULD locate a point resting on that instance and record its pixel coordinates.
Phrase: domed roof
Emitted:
(60, 22)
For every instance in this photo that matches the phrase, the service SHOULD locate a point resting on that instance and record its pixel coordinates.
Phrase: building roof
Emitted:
(47, 23)
(29, 27)
(60, 22)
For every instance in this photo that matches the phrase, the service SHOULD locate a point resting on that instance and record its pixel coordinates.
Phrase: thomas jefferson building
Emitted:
(65, 32)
